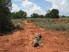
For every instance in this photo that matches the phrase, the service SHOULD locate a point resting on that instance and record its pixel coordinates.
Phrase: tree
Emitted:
(54, 13)
(48, 14)
(41, 16)
(13, 15)
(20, 14)
(5, 21)
(63, 16)
(34, 15)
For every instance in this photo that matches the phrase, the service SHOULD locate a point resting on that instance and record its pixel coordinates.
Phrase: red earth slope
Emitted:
(21, 41)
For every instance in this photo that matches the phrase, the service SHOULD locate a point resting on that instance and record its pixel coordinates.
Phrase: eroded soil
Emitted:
(21, 41)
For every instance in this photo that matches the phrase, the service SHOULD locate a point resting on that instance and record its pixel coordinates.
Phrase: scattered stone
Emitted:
(37, 40)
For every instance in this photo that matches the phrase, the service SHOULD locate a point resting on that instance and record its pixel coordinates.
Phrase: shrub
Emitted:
(49, 24)
(54, 13)
(18, 24)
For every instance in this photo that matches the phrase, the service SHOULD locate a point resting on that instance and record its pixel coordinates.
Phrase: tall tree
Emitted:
(5, 21)
(54, 13)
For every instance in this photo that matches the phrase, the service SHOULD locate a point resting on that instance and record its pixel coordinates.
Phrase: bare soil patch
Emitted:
(21, 41)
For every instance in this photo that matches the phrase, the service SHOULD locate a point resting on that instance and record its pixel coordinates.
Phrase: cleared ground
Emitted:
(21, 41)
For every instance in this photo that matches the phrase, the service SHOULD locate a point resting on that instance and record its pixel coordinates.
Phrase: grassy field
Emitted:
(56, 24)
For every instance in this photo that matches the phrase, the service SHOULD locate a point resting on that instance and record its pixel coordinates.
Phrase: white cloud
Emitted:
(62, 5)
(30, 8)
(15, 8)
(17, 0)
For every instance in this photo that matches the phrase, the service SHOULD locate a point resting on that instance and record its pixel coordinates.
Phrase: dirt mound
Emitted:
(21, 41)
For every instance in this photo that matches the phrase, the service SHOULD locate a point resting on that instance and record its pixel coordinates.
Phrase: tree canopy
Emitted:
(19, 14)
(54, 13)
(35, 15)
(5, 21)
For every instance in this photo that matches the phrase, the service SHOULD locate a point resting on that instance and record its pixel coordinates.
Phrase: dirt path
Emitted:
(21, 41)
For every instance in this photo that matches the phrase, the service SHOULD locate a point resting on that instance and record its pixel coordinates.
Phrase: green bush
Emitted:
(18, 24)
(58, 26)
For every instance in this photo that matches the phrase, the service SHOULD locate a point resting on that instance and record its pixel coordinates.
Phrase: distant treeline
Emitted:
(54, 13)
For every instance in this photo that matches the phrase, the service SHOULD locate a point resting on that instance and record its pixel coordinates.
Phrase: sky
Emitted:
(40, 6)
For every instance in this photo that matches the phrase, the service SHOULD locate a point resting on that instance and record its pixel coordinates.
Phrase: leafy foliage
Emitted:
(5, 21)
(18, 15)
(34, 15)
(54, 13)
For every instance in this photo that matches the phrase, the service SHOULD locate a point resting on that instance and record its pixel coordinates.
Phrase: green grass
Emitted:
(49, 24)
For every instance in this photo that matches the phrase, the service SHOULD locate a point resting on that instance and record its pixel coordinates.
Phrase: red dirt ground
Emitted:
(61, 21)
(21, 41)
